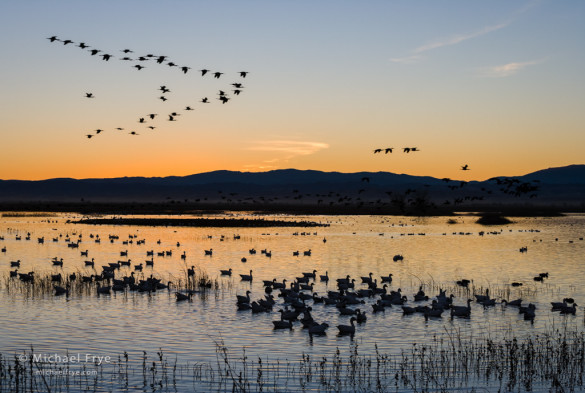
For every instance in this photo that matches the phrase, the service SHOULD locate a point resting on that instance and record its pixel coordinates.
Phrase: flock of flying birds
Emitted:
(387, 150)
(236, 87)
(510, 186)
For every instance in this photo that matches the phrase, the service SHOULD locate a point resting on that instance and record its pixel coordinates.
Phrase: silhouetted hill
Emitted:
(572, 174)
(563, 187)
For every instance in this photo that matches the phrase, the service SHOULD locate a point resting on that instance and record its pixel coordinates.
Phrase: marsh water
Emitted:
(436, 254)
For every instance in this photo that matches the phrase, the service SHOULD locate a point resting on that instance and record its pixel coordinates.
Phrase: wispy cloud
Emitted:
(504, 70)
(456, 39)
(417, 53)
(285, 150)
(407, 59)
(292, 148)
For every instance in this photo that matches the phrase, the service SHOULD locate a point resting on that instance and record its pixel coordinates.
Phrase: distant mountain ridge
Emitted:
(567, 183)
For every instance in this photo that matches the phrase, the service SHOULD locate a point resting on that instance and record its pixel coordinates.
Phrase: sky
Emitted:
(498, 86)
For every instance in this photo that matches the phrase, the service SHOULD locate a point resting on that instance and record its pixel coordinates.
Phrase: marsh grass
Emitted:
(553, 361)
(43, 285)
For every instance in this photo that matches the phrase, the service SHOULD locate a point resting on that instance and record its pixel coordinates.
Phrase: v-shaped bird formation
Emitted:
(156, 60)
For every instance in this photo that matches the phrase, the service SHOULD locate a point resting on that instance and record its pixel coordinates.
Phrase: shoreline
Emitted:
(161, 208)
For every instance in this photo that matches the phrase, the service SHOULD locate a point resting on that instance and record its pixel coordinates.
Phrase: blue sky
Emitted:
(497, 85)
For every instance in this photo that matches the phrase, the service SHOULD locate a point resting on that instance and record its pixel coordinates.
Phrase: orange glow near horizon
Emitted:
(487, 90)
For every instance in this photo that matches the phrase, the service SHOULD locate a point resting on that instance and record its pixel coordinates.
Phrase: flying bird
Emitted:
(217, 74)
(89, 95)
(243, 73)
(388, 150)
(53, 38)
(94, 51)
(223, 99)
(152, 115)
(106, 57)
(237, 85)
(67, 42)
(377, 151)
(126, 51)
(185, 69)
(237, 92)
(171, 118)
(133, 133)
(204, 71)
(161, 59)
(188, 108)
(164, 89)
(205, 100)
(141, 120)
(139, 67)
(406, 150)
(89, 136)
(465, 167)
(98, 131)
(82, 45)
(163, 98)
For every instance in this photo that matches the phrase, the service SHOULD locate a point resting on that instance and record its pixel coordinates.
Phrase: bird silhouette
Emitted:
(243, 73)
(152, 115)
(133, 133)
(406, 150)
(94, 51)
(185, 69)
(53, 38)
(237, 92)
(171, 64)
(205, 100)
(465, 167)
(188, 108)
(217, 74)
(388, 150)
(163, 98)
(67, 42)
(89, 136)
(223, 99)
(106, 57)
(171, 118)
(82, 45)
(141, 120)
(160, 59)
(164, 89)
(204, 71)
(89, 95)
(126, 51)
(98, 131)
(126, 58)
(377, 151)
(139, 67)
(237, 85)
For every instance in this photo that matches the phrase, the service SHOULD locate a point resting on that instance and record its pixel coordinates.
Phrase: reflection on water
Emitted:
(436, 255)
